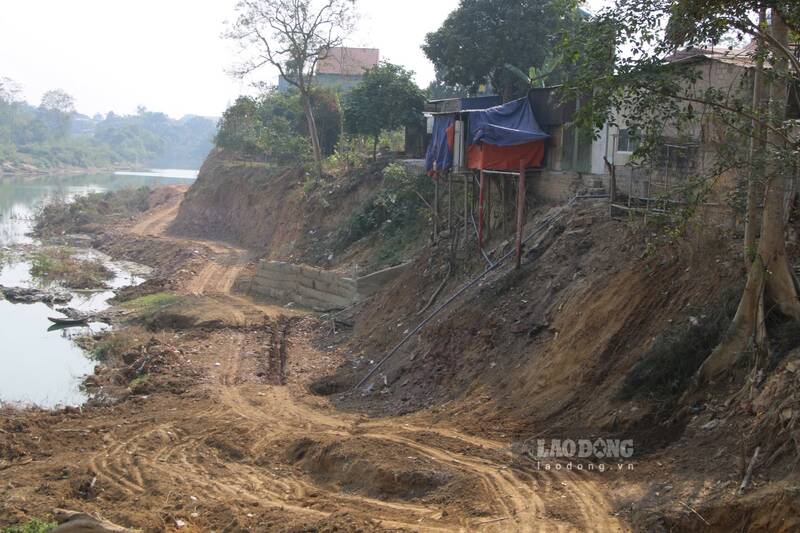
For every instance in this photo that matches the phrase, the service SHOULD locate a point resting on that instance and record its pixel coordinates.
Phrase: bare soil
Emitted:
(234, 415)
(226, 436)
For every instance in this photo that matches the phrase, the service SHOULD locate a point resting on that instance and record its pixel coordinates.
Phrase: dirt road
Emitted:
(241, 443)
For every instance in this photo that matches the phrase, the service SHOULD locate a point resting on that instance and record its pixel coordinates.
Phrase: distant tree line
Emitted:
(54, 134)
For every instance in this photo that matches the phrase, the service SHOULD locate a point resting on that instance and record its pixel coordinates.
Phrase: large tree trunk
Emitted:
(312, 131)
(769, 276)
(754, 180)
(781, 287)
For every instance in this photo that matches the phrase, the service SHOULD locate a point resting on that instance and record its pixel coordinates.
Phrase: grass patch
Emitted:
(667, 368)
(33, 526)
(57, 265)
(150, 304)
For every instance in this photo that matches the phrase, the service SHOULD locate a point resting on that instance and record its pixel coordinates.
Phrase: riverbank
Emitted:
(215, 411)
(208, 402)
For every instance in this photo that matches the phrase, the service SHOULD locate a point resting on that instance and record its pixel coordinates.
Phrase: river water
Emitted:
(37, 366)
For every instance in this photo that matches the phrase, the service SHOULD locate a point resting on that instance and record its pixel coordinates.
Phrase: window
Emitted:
(627, 141)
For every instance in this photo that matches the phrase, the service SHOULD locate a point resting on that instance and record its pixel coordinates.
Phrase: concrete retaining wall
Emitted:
(306, 286)
(313, 288)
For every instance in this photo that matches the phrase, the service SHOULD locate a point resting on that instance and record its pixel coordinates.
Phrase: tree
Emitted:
(57, 108)
(480, 37)
(9, 91)
(292, 36)
(386, 99)
(439, 90)
(653, 95)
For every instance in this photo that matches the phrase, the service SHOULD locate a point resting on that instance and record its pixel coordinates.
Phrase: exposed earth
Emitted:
(229, 439)
(227, 414)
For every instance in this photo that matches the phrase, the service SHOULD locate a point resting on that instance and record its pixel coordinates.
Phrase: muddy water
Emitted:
(39, 365)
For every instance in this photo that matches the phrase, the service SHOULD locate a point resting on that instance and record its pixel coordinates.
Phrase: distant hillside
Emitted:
(53, 136)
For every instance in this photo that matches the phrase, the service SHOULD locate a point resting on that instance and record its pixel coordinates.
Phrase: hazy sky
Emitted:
(168, 54)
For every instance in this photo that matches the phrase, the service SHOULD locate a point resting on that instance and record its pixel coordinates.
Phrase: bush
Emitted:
(274, 126)
(397, 212)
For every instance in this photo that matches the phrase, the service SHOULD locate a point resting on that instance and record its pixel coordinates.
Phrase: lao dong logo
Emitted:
(592, 449)
(583, 449)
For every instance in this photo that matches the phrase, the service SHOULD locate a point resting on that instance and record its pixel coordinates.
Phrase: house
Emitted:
(568, 159)
(342, 68)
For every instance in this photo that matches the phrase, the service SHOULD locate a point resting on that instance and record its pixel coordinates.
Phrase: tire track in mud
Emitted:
(177, 454)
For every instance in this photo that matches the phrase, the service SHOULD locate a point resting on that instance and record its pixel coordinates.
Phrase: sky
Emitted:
(169, 55)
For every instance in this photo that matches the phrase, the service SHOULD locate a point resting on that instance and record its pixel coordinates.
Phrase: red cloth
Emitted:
(491, 157)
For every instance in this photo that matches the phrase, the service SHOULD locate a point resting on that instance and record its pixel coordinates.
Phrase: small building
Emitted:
(342, 68)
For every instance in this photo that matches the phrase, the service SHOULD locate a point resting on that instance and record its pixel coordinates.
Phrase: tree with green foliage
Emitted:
(57, 108)
(386, 99)
(640, 87)
(478, 39)
(292, 36)
(440, 90)
(273, 126)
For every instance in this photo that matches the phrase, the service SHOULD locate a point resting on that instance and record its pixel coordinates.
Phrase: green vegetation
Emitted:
(387, 99)
(396, 212)
(480, 39)
(77, 216)
(150, 305)
(33, 526)
(59, 265)
(54, 135)
(292, 37)
(274, 127)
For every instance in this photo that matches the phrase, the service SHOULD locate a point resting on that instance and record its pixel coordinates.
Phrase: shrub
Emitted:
(397, 212)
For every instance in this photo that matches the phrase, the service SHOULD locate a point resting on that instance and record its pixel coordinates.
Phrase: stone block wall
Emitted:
(309, 287)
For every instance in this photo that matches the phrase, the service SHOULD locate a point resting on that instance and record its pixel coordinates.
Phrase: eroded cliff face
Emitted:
(243, 202)
(278, 213)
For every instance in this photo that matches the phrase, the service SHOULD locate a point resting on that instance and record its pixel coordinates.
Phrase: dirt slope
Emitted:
(226, 437)
(273, 212)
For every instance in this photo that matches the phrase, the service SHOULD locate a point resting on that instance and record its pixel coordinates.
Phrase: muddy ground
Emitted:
(207, 422)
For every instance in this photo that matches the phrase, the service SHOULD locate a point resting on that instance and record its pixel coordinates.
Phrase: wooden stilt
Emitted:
(503, 215)
(450, 204)
(520, 212)
(481, 213)
(436, 208)
(489, 208)
(466, 208)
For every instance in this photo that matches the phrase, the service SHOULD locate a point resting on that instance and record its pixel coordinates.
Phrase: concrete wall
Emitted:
(306, 286)
(313, 288)
(557, 186)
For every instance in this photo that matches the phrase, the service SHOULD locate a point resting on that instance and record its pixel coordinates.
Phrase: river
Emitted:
(37, 366)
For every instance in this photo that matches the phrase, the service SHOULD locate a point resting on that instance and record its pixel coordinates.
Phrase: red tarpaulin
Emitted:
(488, 156)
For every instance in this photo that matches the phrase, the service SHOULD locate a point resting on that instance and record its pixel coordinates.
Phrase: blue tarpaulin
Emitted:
(505, 125)
(439, 156)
